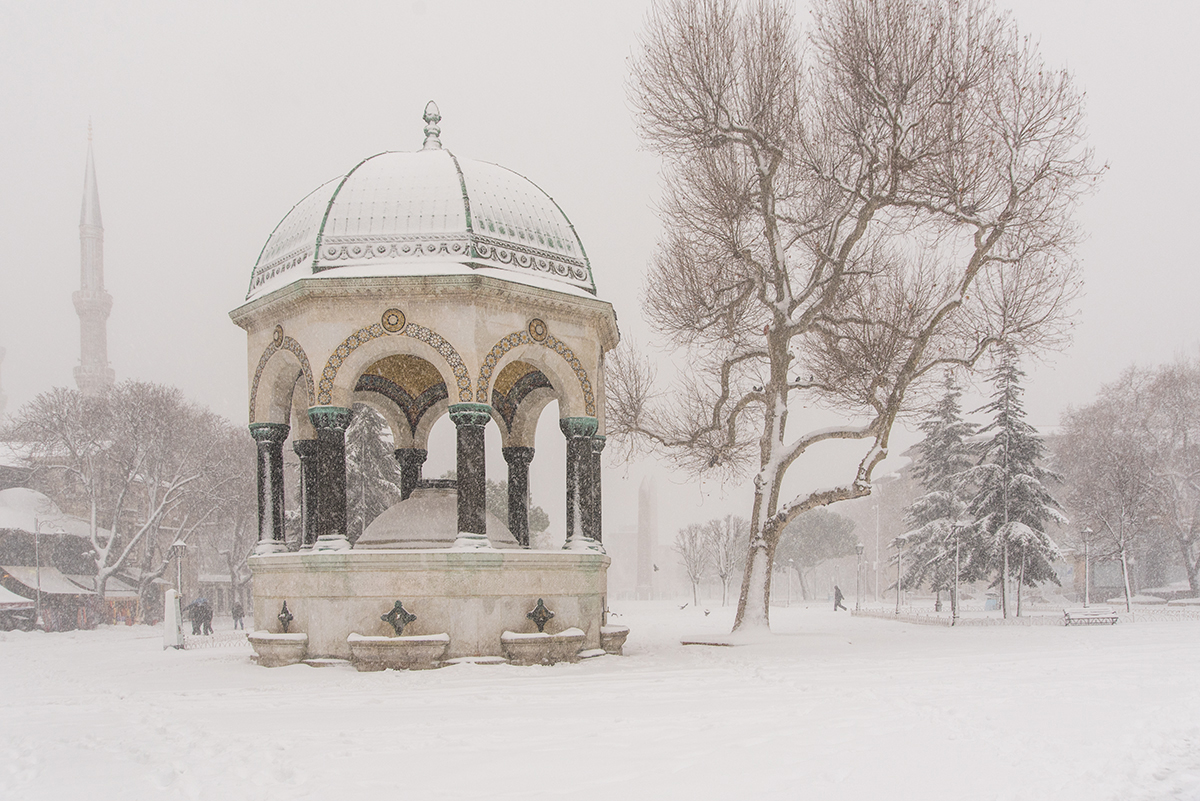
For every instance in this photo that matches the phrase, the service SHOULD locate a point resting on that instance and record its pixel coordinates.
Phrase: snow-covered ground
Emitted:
(831, 707)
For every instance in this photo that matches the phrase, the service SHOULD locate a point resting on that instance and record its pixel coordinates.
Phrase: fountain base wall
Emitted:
(474, 596)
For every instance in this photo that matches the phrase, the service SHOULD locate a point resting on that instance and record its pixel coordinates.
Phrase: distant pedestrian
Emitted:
(238, 613)
(206, 616)
(837, 598)
(192, 611)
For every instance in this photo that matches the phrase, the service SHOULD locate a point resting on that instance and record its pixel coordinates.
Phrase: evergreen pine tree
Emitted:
(937, 517)
(1011, 506)
(372, 472)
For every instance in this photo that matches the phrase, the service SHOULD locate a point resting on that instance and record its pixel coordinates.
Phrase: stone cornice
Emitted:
(273, 307)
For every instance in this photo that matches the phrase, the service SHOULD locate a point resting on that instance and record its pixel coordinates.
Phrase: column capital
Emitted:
(517, 454)
(414, 457)
(306, 448)
(269, 432)
(329, 418)
(470, 414)
(578, 427)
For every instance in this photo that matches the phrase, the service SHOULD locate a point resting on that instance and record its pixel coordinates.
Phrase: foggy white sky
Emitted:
(212, 120)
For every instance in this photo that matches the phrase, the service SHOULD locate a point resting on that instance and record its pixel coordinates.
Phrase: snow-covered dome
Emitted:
(415, 213)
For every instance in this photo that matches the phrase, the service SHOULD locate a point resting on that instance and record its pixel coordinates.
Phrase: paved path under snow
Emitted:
(829, 708)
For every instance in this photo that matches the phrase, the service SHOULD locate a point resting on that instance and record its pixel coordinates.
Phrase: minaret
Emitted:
(92, 303)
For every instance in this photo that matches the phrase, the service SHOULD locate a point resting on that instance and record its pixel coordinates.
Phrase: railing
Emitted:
(1040, 617)
(221, 639)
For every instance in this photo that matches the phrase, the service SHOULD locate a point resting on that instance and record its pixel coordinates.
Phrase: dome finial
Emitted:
(432, 131)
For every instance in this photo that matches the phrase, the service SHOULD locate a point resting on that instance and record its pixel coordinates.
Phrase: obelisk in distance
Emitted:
(92, 302)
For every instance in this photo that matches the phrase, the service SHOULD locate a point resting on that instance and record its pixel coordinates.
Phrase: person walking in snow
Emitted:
(837, 598)
(194, 613)
(206, 615)
(238, 613)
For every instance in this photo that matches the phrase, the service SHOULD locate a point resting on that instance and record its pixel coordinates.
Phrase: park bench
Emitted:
(1088, 615)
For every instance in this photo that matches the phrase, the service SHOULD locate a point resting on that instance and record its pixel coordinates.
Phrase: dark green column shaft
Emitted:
(578, 431)
(410, 460)
(470, 419)
(518, 458)
(331, 423)
(269, 438)
(309, 451)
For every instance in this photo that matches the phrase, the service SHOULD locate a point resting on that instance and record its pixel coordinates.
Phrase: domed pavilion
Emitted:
(423, 284)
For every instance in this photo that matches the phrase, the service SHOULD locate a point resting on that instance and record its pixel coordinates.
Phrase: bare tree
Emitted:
(1132, 459)
(815, 537)
(692, 546)
(838, 229)
(1175, 427)
(725, 538)
(140, 462)
(1108, 463)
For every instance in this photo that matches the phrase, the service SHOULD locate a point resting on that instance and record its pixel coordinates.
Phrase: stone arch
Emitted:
(535, 345)
(280, 375)
(401, 434)
(519, 393)
(302, 427)
(523, 430)
(408, 386)
(370, 343)
(428, 420)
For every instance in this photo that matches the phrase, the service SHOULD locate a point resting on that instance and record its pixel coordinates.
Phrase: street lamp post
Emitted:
(954, 599)
(858, 550)
(791, 565)
(899, 561)
(179, 547)
(37, 561)
(1087, 565)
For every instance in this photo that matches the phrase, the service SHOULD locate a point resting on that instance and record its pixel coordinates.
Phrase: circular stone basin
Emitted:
(426, 519)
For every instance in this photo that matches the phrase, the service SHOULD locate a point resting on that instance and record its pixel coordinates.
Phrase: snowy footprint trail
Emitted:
(829, 707)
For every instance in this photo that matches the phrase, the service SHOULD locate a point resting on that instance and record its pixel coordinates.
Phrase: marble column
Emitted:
(595, 512)
(331, 423)
(270, 438)
(309, 451)
(470, 419)
(579, 432)
(410, 460)
(518, 458)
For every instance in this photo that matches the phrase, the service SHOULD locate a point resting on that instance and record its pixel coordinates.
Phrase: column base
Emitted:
(331, 542)
(470, 541)
(584, 544)
(266, 547)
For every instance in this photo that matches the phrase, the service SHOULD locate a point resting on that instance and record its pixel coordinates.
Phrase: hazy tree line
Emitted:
(717, 548)
(147, 469)
(1126, 467)
(1131, 465)
(847, 210)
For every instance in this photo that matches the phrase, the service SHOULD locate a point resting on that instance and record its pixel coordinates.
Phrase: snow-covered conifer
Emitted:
(936, 519)
(1011, 504)
(372, 472)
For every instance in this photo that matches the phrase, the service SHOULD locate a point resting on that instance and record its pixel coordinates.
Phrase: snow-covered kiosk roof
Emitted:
(415, 213)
